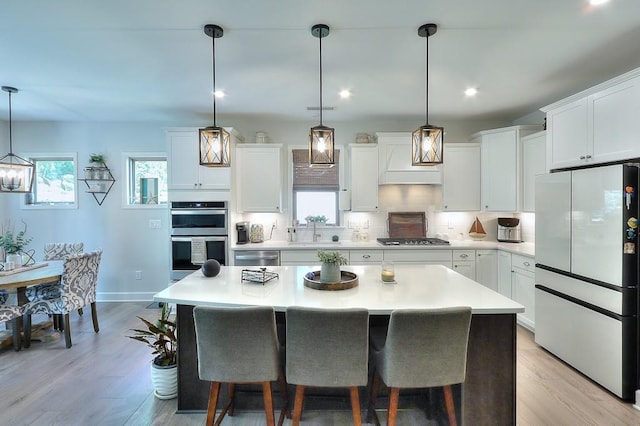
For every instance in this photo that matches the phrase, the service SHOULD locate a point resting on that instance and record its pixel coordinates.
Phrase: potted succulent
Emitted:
(13, 244)
(321, 220)
(95, 170)
(330, 268)
(161, 337)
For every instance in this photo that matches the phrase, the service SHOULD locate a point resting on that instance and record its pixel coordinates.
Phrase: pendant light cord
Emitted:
(320, 37)
(10, 135)
(426, 79)
(213, 74)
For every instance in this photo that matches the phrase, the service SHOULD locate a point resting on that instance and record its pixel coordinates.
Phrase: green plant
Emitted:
(332, 257)
(96, 158)
(13, 243)
(161, 337)
(316, 219)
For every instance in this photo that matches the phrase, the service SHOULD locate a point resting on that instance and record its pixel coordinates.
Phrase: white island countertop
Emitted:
(418, 286)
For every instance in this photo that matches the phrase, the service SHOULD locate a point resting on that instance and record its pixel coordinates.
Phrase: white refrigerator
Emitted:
(586, 297)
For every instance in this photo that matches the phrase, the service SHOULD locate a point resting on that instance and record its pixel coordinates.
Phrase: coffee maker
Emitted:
(242, 229)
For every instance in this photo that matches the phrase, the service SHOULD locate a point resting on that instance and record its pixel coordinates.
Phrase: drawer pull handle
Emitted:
(464, 256)
(526, 263)
(366, 256)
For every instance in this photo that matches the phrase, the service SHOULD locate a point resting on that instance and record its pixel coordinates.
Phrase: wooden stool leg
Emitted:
(268, 403)
(372, 416)
(285, 394)
(231, 387)
(355, 406)
(213, 401)
(448, 401)
(394, 394)
(297, 405)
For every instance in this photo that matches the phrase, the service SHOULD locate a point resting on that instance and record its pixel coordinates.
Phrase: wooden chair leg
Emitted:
(67, 330)
(214, 391)
(26, 326)
(231, 388)
(80, 311)
(285, 395)
(355, 406)
(297, 405)
(448, 401)
(17, 344)
(268, 403)
(94, 317)
(394, 394)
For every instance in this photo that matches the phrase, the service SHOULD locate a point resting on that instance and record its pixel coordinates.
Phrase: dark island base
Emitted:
(488, 395)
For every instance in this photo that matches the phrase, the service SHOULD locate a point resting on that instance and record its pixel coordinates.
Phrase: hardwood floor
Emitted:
(104, 380)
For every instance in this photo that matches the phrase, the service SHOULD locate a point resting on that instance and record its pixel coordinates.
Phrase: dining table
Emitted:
(38, 273)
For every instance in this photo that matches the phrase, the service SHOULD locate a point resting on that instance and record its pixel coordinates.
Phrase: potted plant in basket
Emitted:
(161, 337)
(13, 243)
(330, 268)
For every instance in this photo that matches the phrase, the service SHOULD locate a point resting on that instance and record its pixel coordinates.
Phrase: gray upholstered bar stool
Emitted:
(327, 348)
(238, 345)
(424, 348)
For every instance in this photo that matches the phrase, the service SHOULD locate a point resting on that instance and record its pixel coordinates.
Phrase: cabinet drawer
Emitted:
(464, 255)
(418, 255)
(308, 256)
(365, 256)
(523, 262)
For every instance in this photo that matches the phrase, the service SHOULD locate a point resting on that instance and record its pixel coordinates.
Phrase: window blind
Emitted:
(306, 178)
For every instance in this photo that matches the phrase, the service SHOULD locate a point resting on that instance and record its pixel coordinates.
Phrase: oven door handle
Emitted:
(198, 212)
(189, 239)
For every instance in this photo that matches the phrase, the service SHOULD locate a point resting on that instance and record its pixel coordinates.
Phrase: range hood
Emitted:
(394, 162)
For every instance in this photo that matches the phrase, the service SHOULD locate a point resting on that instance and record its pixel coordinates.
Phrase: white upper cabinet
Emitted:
(595, 126)
(259, 178)
(533, 163)
(461, 177)
(500, 167)
(184, 169)
(363, 159)
(394, 162)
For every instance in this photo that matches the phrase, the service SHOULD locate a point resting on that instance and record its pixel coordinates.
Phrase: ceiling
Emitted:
(149, 60)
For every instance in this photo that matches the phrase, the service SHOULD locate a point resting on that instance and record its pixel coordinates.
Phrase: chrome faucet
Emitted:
(316, 236)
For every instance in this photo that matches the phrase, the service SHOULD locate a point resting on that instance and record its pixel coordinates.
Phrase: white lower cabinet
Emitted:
(523, 288)
(420, 257)
(304, 257)
(365, 257)
(487, 268)
(504, 273)
(464, 262)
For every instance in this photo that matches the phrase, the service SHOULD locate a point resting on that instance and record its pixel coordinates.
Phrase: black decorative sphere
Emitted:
(211, 268)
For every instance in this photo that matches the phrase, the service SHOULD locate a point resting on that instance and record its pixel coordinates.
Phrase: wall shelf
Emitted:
(99, 181)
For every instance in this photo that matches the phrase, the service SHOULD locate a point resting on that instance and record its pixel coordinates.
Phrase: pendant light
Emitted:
(321, 137)
(214, 141)
(16, 173)
(427, 141)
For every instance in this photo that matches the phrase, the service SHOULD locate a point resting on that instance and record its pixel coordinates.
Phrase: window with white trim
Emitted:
(56, 181)
(315, 189)
(146, 179)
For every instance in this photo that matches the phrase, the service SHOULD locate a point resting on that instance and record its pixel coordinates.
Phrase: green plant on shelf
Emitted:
(96, 158)
(316, 219)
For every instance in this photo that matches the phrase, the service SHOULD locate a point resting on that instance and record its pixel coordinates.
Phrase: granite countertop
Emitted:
(525, 249)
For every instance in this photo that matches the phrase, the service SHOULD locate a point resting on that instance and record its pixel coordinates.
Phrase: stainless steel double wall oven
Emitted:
(191, 221)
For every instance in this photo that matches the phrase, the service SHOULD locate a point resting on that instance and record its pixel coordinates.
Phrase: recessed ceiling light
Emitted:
(219, 94)
(471, 91)
(345, 94)
(597, 2)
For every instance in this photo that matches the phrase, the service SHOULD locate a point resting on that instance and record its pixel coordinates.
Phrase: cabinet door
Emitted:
(533, 163)
(504, 273)
(523, 284)
(466, 268)
(487, 268)
(567, 135)
(259, 178)
(364, 178)
(461, 178)
(615, 113)
(498, 173)
(184, 169)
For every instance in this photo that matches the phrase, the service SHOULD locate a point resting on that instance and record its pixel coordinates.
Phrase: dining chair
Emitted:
(423, 348)
(327, 348)
(11, 313)
(77, 289)
(239, 345)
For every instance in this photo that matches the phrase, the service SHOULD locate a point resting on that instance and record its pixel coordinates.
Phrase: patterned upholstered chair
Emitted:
(77, 289)
(11, 313)
(53, 251)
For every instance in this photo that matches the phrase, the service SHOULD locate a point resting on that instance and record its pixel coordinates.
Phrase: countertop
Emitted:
(525, 249)
(418, 286)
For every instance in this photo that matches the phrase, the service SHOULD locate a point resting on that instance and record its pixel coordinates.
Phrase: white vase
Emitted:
(16, 258)
(165, 381)
(330, 273)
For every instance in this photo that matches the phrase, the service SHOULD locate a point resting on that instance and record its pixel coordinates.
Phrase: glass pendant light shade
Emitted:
(16, 173)
(215, 147)
(321, 137)
(427, 146)
(321, 147)
(428, 141)
(215, 142)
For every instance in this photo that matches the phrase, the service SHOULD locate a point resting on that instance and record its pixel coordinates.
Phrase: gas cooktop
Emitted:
(412, 242)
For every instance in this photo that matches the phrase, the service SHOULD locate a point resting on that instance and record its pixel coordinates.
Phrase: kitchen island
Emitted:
(488, 394)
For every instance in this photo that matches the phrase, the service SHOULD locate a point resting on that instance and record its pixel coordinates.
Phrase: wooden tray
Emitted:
(348, 280)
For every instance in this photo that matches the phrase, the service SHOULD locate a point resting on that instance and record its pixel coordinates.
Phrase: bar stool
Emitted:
(238, 345)
(424, 348)
(327, 348)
